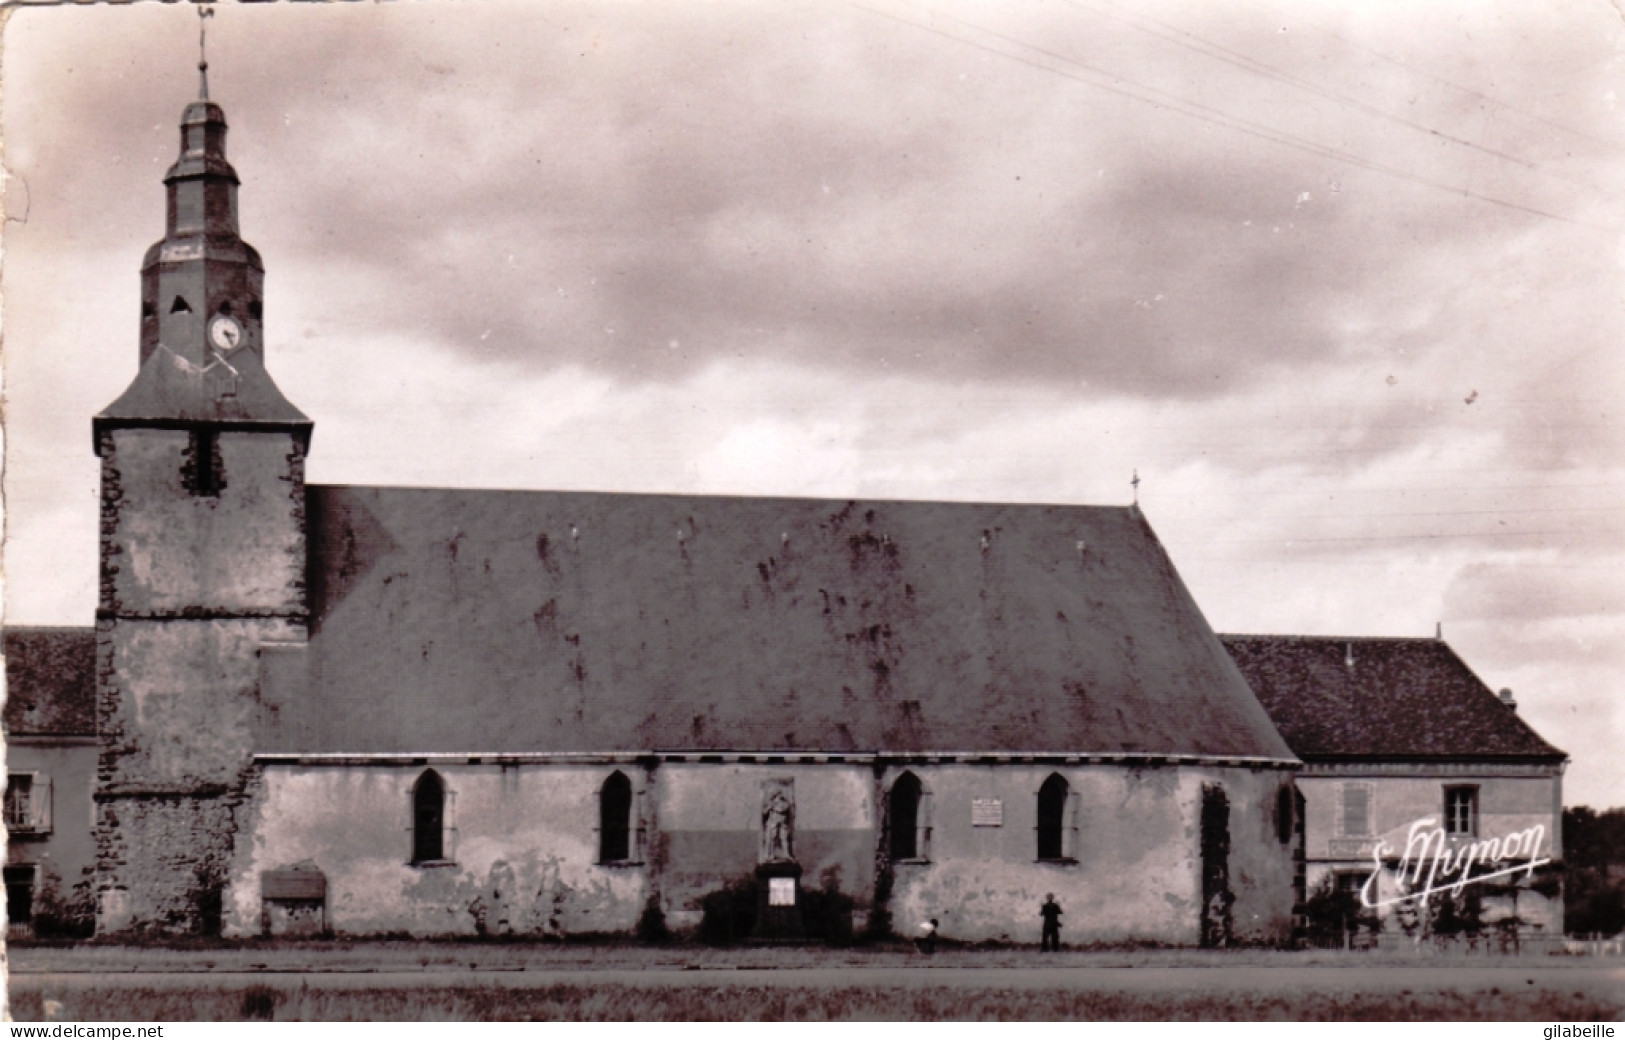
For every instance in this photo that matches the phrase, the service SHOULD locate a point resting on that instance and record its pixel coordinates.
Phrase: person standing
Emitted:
(1051, 913)
(928, 936)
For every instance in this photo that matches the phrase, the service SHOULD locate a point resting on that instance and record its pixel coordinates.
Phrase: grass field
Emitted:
(408, 981)
(124, 1001)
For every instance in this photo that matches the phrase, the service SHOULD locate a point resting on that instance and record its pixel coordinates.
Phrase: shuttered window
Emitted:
(28, 803)
(1356, 810)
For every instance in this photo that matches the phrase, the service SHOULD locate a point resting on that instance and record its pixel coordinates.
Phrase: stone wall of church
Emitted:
(520, 851)
(1132, 869)
(168, 551)
(177, 714)
(711, 828)
(192, 584)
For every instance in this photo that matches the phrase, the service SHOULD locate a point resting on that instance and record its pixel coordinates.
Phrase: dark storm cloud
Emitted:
(710, 179)
(590, 185)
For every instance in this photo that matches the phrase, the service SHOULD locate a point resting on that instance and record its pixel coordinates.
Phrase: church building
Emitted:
(371, 711)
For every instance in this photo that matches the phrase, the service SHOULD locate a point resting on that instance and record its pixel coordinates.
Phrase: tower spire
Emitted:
(204, 13)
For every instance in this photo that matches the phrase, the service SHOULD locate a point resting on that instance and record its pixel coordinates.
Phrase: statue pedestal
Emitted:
(778, 901)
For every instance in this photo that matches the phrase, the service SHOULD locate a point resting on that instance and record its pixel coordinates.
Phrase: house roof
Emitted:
(50, 682)
(1342, 698)
(451, 621)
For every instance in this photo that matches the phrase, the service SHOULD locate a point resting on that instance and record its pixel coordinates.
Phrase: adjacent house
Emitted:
(51, 751)
(1406, 755)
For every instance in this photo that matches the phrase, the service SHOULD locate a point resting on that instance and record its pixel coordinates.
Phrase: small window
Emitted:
(1461, 810)
(1356, 810)
(180, 306)
(19, 802)
(615, 819)
(148, 311)
(905, 817)
(429, 818)
(1054, 801)
(254, 309)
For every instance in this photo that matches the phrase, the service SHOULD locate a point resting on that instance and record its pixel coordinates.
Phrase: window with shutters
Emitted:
(1057, 820)
(28, 803)
(429, 813)
(908, 817)
(1356, 815)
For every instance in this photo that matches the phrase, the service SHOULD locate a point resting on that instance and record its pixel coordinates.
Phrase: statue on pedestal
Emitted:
(778, 822)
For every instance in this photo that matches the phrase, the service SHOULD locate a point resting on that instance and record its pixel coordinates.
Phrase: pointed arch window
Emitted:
(615, 829)
(1057, 820)
(908, 820)
(429, 818)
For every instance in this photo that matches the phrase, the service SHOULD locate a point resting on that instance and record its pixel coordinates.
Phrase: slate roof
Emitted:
(170, 388)
(464, 621)
(1399, 699)
(50, 682)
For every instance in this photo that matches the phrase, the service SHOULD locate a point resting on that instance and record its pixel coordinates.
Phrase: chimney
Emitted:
(1348, 655)
(1506, 698)
(1438, 630)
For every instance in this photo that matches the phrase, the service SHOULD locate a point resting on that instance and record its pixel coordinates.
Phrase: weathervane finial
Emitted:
(204, 13)
(1135, 484)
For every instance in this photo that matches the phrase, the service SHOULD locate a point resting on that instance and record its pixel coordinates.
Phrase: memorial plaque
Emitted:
(987, 812)
(781, 891)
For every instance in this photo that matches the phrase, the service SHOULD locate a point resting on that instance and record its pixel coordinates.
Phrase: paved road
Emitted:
(1601, 980)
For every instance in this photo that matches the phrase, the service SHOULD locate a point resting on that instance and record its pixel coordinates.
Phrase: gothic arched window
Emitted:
(1052, 813)
(429, 818)
(615, 819)
(903, 816)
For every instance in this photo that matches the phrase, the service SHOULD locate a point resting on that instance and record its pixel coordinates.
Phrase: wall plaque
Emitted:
(986, 812)
(781, 891)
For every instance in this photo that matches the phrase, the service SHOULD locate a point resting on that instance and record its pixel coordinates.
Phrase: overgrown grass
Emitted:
(409, 955)
(619, 1002)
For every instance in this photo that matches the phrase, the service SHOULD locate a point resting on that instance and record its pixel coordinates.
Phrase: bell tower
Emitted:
(202, 554)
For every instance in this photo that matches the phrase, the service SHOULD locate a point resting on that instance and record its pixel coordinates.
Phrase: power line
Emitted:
(1195, 110)
(1497, 102)
(1241, 61)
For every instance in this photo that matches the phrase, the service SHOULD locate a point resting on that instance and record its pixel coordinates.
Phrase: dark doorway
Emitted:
(903, 812)
(20, 899)
(429, 818)
(615, 819)
(1052, 818)
(1216, 894)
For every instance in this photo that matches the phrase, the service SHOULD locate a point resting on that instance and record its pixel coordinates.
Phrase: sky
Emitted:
(1340, 283)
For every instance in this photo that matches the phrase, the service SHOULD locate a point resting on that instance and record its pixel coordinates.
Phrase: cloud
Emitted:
(797, 249)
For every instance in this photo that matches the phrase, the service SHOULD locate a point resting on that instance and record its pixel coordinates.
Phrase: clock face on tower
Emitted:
(225, 333)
